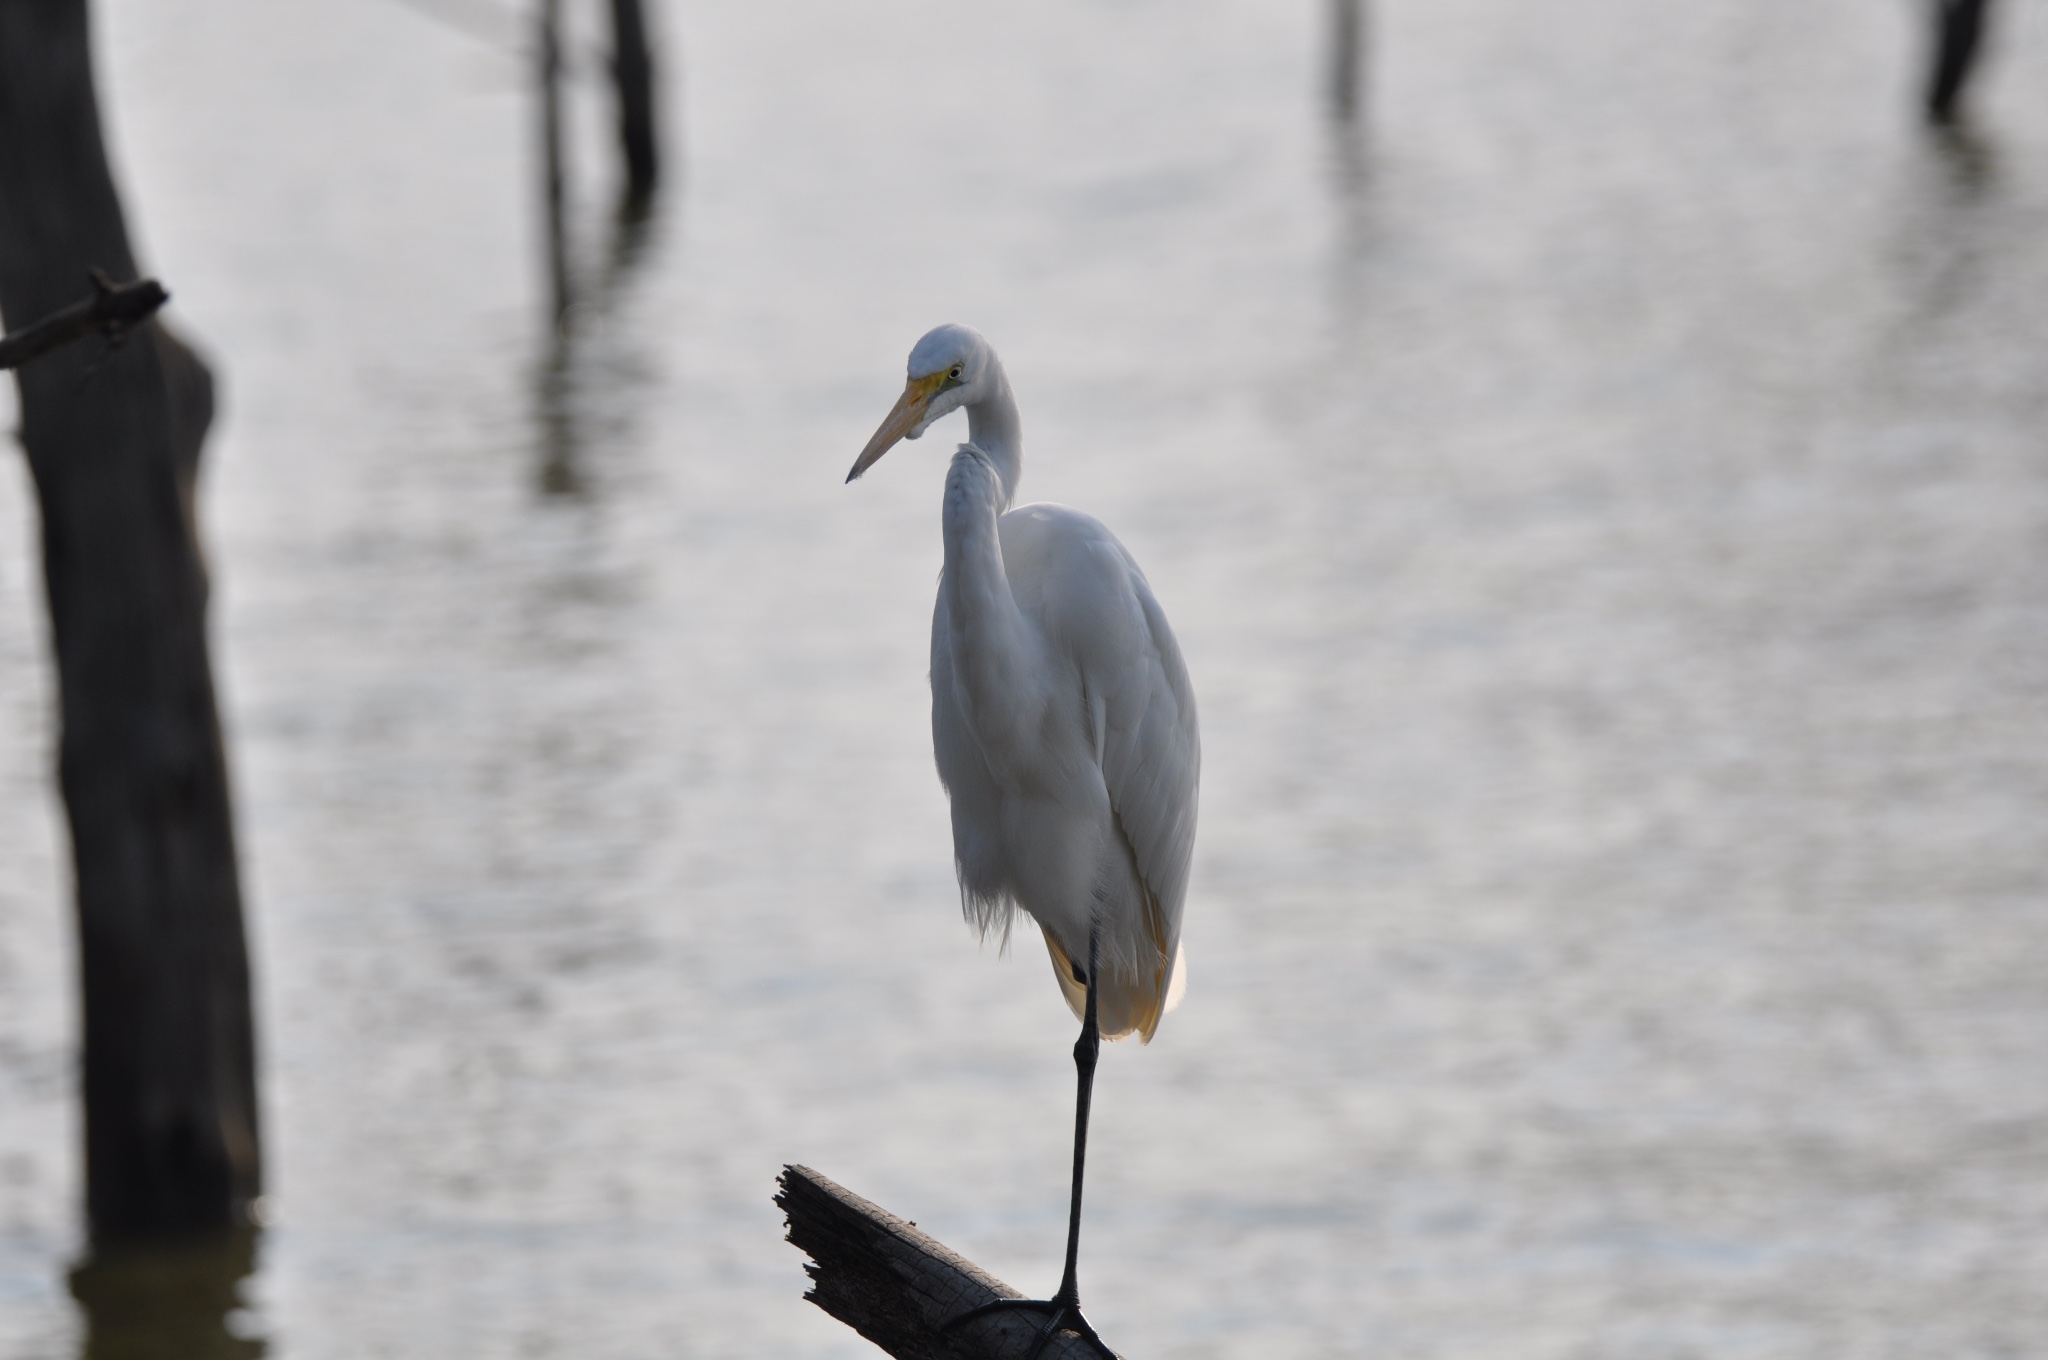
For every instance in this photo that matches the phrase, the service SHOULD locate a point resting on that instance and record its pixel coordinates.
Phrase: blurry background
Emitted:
(1603, 498)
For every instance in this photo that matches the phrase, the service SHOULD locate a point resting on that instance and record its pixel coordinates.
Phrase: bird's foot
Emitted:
(1060, 1316)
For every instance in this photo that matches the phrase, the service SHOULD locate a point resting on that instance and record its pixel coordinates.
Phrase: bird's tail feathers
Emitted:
(1129, 1003)
(1177, 984)
(1069, 979)
(989, 914)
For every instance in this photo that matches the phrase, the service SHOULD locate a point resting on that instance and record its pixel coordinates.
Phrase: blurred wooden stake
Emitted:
(1347, 57)
(633, 70)
(1958, 27)
(549, 47)
(897, 1286)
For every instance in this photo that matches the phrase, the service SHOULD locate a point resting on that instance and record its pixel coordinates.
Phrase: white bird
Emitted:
(1064, 728)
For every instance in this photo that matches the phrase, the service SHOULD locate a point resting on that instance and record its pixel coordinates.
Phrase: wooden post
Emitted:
(549, 49)
(897, 1286)
(1347, 57)
(1958, 26)
(633, 71)
(113, 439)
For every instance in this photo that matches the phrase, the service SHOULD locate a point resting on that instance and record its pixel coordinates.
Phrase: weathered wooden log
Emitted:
(898, 1287)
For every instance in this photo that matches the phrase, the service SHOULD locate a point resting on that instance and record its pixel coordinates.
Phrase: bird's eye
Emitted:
(955, 373)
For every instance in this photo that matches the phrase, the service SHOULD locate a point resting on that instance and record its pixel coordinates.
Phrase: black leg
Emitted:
(1063, 1309)
(1086, 1049)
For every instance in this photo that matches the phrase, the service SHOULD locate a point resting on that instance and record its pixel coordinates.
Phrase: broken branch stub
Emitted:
(111, 310)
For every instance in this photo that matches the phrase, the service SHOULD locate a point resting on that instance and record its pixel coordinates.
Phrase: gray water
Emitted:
(1604, 504)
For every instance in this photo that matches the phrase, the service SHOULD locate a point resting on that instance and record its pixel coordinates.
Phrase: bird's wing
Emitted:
(975, 799)
(1151, 759)
(1095, 604)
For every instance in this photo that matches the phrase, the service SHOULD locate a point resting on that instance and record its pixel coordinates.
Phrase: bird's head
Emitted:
(951, 367)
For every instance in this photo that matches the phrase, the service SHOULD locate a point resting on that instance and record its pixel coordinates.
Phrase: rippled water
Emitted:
(1605, 509)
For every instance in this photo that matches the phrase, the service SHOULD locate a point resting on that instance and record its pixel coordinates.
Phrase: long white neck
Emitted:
(993, 427)
(990, 646)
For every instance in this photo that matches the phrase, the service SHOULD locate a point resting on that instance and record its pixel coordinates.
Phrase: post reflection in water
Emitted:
(150, 1301)
(591, 362)
(1968, 154)
(580, 376)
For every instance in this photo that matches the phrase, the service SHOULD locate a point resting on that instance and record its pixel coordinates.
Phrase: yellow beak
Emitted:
(901, 420)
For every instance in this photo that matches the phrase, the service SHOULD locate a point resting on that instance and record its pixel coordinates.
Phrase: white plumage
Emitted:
(1062, 717)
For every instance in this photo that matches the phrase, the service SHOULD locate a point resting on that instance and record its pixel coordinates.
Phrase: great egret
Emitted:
(1064, 728)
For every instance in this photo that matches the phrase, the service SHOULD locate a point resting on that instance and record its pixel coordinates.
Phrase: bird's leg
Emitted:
(1086, 1049)
(1063, 1309)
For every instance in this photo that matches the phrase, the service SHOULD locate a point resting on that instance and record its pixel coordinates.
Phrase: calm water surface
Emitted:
(1605, 509)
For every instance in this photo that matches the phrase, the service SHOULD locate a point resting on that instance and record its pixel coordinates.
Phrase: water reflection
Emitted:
(592, 363)
(1968, 154)
(578, 307)
(164, 1302)
(1948, 248)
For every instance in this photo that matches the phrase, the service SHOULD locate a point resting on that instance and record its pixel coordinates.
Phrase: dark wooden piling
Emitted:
(1958, 33)
(1347, 58)
(554, 207)
(897, 1286)
(113, 436)
(633, 73)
